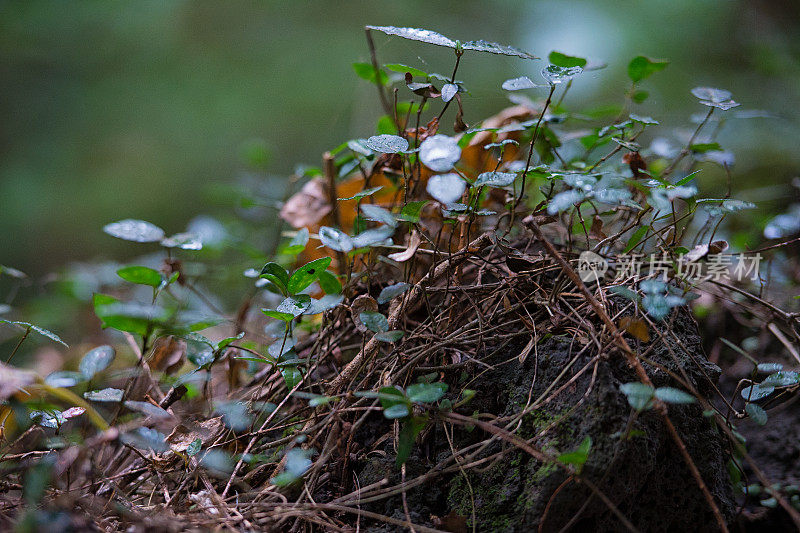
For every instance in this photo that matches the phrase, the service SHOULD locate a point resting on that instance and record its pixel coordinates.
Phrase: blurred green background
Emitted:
(113, 110)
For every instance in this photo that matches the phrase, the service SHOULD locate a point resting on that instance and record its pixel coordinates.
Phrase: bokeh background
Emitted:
(147, 109)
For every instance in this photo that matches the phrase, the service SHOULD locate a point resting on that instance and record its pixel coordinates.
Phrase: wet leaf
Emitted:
(783, 378)
(134, 230)
(362, 194)
(194, 447)
(378, 214)
(564, 200)
(757, 392)
(335, 239)
(392, 291)
(446, 188)
(556, 75)
(141, 275)
(712, 97)
(495, 179)
(518, 84)
(439, 153)
(416, 34)
(104, 395)
(184, 241)
(96, 360)
(387, 144)
(494, 48)
(449, 90)
(295, 305)
(770, 367)
(373, 236)
(642, 67)
(41, 331)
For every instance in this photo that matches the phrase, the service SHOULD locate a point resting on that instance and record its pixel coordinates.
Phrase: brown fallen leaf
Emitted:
(413, 243)
(12, 380)
(169, 355)
(636, 327)
(359, 305)
(183, 436)
(307, 207)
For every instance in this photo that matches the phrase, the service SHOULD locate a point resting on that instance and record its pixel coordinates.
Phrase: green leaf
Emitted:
(626, 292)
(389, 336)
(757, 413)
(402, 69)
(335, 239)
(329, 283)
(184, 241)
(291, 376)
(636, 238)
(392, 291)
(363, 194)
(673, 395)
(409, 429)
(41, 331)
(234, 414)
(221, 345)
(135, 230)
(140, 275)
(96, 360)
(374, 321)
(770, 367)
(297, 244)
(399, 410)
(783, 378)
(411, 211)
(563, 60)
(367, 72)
(194, 447)
(639, 96)
(578, 457)
(104, 395)
(495, 179)
(286, 317)
(700, 148)
(439, 153)
(329, 301)
(639, 395)
(642, 67)
(757, 392)
(276, 274)
(426, 392)
(307, 274)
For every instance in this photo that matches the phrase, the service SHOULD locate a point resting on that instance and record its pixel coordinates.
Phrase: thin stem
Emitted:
(27, 332)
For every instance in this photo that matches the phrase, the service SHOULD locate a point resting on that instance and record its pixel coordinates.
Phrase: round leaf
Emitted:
(96, 360)
(335, 239)
(439, 153)
(446, 188)
(495, 179)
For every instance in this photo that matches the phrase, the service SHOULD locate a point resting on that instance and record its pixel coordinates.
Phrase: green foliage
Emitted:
(642, 67)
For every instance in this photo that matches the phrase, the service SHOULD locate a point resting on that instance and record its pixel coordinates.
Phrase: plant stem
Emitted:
(27, 332)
